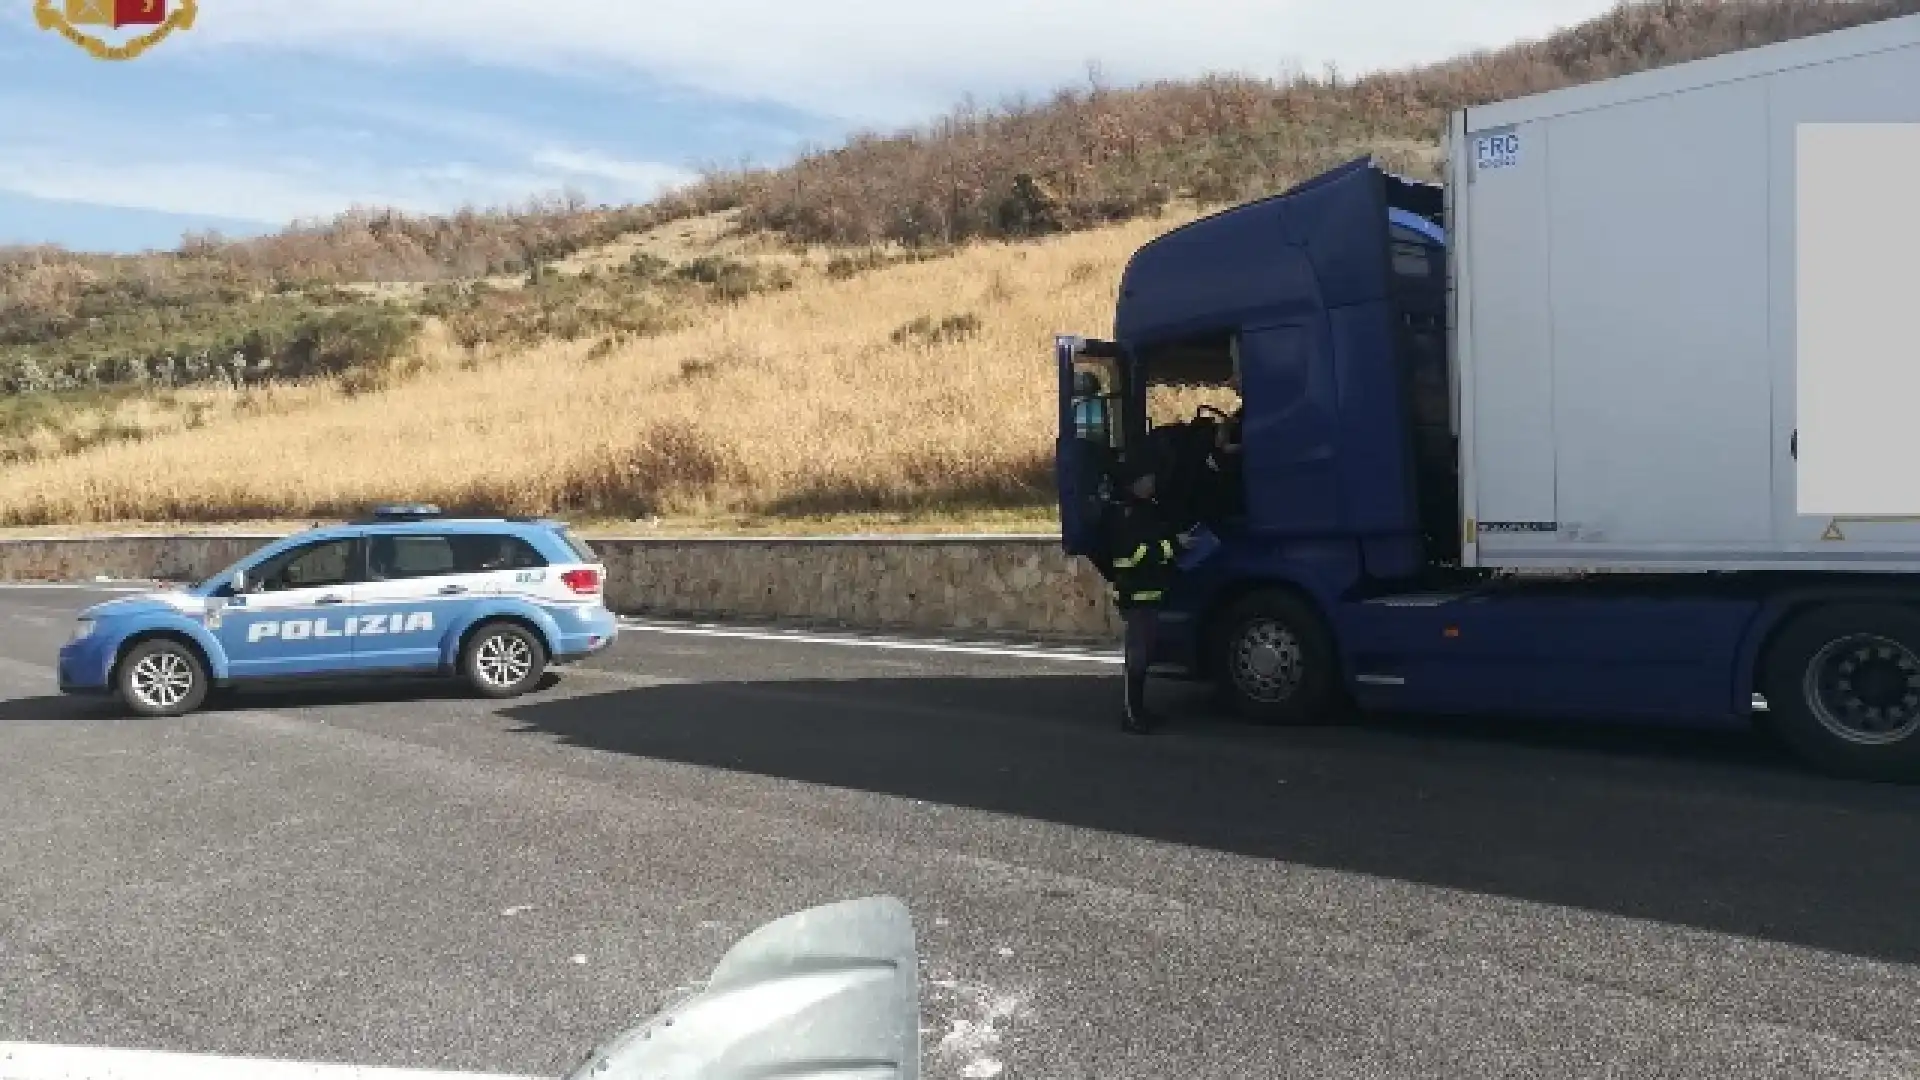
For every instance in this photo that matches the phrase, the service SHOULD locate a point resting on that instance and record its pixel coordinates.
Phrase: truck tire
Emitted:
(503, 659)
(1842, 685)
(1273, 661)
(161, 677)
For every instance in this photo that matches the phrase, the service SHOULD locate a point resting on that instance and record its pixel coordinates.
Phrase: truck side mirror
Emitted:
(830, 991)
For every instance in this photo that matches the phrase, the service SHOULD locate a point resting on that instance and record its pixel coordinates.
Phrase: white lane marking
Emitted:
(48, 1061)
(905, 644)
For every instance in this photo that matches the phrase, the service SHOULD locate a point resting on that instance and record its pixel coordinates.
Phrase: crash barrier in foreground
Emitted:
(1005, 584)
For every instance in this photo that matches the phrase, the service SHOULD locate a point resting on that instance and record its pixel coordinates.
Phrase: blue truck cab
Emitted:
(1337, 583)
(406, 591)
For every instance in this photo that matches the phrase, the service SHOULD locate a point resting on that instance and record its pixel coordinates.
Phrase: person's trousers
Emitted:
(1142, 620)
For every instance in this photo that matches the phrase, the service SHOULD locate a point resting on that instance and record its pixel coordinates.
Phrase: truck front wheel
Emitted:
(1842, 685)
(1273, 660)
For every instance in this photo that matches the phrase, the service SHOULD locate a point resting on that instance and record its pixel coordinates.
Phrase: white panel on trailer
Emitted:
(1625, 287)
(1879, 88)
(1512, 327)
(1663, 402)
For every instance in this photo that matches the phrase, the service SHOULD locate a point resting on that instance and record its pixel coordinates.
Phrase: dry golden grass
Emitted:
(173, 411)
(803, 404)
(1017, 520)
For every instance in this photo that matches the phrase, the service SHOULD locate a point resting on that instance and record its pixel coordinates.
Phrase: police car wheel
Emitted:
(161, 678)
(503, 660)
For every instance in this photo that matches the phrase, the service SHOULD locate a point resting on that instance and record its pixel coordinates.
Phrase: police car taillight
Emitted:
(585, 580)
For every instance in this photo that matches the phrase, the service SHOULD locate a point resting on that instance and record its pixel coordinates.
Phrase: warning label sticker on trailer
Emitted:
(1497, 149)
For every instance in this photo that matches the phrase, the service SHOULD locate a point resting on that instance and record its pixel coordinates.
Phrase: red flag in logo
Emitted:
(139, 12)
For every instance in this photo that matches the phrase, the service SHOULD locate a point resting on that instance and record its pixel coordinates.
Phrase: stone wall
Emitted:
(1020, 585)
(133, 557)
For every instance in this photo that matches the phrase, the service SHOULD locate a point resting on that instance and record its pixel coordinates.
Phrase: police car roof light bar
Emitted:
(405, 511)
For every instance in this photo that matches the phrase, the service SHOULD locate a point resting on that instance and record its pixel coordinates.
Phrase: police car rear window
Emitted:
(579, 547)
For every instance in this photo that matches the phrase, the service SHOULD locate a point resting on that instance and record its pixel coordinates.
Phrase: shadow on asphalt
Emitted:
(53, 707)
(387, 690)
(310, 694)
(1708, 829)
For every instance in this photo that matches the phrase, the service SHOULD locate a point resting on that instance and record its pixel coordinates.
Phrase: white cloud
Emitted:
(645, 175)
(892, 62)
(230, 190)
(242, 166)
(281, 191)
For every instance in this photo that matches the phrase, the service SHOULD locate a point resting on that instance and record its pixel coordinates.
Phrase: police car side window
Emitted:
(397, 558)
(328, 562)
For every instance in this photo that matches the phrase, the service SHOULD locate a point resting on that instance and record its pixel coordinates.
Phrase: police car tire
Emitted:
(470, 659)
(185, 659)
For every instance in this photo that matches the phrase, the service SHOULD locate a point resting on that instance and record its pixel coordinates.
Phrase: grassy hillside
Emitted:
(918, 389)
(864, 331)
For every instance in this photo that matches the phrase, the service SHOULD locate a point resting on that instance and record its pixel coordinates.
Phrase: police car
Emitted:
(493, 601)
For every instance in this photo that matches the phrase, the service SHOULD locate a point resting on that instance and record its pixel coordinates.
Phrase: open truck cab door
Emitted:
(1093, 396)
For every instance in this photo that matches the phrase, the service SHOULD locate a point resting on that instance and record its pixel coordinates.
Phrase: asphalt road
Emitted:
(400, 876)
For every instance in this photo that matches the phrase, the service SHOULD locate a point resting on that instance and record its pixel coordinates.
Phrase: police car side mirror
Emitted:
(830, 991)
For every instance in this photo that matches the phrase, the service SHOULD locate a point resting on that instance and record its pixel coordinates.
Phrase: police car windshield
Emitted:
(205, 585)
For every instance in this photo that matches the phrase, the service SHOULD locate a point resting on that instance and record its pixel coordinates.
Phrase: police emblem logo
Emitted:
(115, 29)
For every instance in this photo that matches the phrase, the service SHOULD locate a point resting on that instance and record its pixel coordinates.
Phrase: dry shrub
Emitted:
(673, 464)
(926, 330)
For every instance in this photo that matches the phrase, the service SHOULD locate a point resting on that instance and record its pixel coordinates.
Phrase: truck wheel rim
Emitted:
(1865, 689)
(161, 680)
(1266, 661)
(504, 660)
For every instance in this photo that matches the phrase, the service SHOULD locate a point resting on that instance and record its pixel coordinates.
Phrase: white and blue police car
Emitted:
(493, 601)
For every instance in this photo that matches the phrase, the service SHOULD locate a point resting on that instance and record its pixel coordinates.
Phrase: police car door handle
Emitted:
(331, 598)
(450, 590)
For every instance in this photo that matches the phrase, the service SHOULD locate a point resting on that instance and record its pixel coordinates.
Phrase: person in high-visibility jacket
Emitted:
(1144, 551)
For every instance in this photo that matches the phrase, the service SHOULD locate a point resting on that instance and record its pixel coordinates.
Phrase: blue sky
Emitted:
(270, 110)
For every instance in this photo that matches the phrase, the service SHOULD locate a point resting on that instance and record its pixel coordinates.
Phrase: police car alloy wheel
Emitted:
(162, 678)
(503, 660)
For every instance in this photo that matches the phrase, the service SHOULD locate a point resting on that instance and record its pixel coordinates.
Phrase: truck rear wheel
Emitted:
(1273, 660)
(1842, 685)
